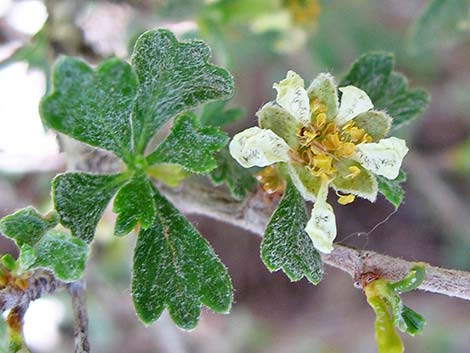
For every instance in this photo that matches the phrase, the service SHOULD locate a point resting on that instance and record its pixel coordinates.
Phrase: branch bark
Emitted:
(253, 214)
(77, 291)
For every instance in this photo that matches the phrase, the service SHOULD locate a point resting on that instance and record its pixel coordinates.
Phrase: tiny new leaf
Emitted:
(80, 199)
(27, 226)
(134, 203)
(92, 106)
(176, 268)
(388, 90)
(391, 189)
(239, 180)
(173, 77)
(190, 145)
(286, 245)
(62, 253)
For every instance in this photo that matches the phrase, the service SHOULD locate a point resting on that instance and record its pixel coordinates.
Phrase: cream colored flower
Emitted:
(324, 143)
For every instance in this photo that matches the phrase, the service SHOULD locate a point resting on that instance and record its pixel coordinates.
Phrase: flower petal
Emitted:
(364, 184)
(324, 89)
(258, 147)
(353, 102)
(307, 184)
(322, 224)
(382, 158)
(292, 96)
(376, 124)
(273, 117)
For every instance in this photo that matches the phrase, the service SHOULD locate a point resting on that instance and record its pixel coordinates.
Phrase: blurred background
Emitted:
(258, 41)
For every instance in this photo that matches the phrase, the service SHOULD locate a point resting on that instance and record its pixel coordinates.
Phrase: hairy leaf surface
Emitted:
(286, 245)
(81, 198)
(190, 145)
(391, 189)
(173, 77)
(176, 268)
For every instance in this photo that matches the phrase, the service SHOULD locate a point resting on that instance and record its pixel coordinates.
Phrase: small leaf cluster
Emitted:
(43, 247)
(384, 297)
(119, 107)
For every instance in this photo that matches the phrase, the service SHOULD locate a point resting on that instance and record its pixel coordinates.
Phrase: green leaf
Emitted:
(442, 24)
(62, 253)
(169, 174)
(173, 77)
(134, 203)
(92, 106)
(414, 322)
(190, 145)
(176, 268)
(391, 189)
(239, 180)
(27, 226)
(214, 114)
(80, 199)
(388, 90)
(286, 245)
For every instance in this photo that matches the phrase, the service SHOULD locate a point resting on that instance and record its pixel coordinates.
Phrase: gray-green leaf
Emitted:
(134, 203)
(62, 253)
(239, 180)
(176, 268)
(173, 77)
(80, 199)
(388, 90)
(92, 106)
(391, 189)
(27, 226)
(190, 145)
(286, 245)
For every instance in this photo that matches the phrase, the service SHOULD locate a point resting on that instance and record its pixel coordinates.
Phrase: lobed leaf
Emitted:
(27, 226)
(134, 204)
(286, 245)
(81, 198)
(62, 253)
(92, 106)
(239, 180)
(174, 267)
(388, 90)
(413, 321)
(190, 145)
(391, 189)
(173, 77)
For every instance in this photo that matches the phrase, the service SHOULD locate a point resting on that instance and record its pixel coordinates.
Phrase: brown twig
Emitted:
(77, 292)
(253, 214)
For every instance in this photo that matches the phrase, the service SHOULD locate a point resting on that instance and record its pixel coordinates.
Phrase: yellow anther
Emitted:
(320, 120)
(346, 199)
(356, 133)
(332, 142)
(322, 161)
(355, 171)
(346, 149)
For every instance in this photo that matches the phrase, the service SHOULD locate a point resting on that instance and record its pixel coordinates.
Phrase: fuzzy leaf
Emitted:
(176, 268)
(388, 90)
(27, 226)
(134, 204)
(391, 189)
(239, 180)
(80, 199)
(173, 77)
(286, 245)
(190, 145)
(214, 114)
(92, 106)
(442, 23)
(64, 254)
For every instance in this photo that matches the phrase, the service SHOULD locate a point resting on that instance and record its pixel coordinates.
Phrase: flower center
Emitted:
(323, 144)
